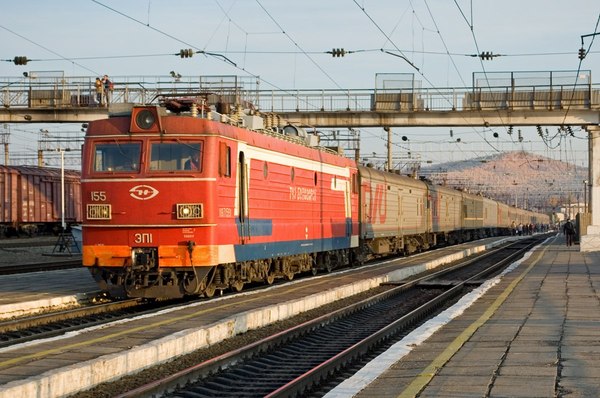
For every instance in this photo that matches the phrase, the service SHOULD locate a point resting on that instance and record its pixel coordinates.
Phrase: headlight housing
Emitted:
(98, 212)
(189, 211)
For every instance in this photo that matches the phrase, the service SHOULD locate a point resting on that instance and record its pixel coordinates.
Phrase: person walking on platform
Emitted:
(569, 231)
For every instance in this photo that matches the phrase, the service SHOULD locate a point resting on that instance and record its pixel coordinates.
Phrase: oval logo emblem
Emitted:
(143, 192)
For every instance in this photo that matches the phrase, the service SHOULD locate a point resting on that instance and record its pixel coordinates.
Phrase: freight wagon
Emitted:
(31, 199)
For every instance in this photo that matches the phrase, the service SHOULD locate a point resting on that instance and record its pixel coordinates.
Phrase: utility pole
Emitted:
(5, 142)
(389, 148)
(63, 143)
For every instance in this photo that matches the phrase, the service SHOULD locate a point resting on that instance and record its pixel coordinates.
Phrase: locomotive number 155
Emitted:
(98, 196)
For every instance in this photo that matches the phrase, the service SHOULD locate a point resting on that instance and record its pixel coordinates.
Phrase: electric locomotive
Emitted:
(178, 204)
(256, 206)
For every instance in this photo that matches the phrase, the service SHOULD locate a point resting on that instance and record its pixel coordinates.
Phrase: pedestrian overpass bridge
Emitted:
(557, 99)
(59, 99)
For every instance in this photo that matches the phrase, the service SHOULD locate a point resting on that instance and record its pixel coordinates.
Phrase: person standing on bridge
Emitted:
(108, 88)
(99, 91)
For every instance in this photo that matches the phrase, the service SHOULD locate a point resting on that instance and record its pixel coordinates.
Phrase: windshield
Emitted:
(115, 157)
(172, 156)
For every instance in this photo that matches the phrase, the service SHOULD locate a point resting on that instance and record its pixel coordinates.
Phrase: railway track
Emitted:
(57, 323)
(41, 266)
(309, 357)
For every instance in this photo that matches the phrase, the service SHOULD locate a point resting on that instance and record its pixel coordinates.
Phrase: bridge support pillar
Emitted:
(591, 241)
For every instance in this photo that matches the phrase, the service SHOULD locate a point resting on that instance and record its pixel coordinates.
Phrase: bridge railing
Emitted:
(64, 92)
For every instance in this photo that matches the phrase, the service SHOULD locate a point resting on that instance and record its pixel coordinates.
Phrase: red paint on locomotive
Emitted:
(256, 199)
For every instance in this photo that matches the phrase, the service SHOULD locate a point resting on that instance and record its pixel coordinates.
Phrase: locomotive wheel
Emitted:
(190, 286)
(289, 275)
(237, 286)
(270, 278)
(329, 266)
(210, 290)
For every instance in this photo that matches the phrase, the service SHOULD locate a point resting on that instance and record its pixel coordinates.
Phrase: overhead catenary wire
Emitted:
(47, 49)
(275, 52)
(239, 25)
(297, 45)
(214, 55)
(579, 67)
(407, 60)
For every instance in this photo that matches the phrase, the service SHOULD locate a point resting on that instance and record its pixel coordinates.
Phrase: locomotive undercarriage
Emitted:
(410, 244)
(405, 245)
(143, 277)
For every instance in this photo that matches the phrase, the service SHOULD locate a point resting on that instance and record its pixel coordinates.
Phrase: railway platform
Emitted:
(59, 367)
(28, 293)
(534, 332)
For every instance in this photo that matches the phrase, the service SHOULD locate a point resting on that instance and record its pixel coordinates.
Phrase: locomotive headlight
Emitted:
(98, 212)
(188, 211)
(145, 119)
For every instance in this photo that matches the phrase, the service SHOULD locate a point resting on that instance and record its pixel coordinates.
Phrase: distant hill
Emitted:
(531, 181)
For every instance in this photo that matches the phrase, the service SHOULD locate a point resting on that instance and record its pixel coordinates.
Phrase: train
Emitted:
(263, 203)
(32, 203)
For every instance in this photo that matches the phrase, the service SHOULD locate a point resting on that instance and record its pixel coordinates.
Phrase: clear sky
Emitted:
(285, 43)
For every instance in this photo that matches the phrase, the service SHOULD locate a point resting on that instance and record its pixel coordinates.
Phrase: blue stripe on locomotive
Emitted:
(252, 251)
(255, 227)
(264, 227)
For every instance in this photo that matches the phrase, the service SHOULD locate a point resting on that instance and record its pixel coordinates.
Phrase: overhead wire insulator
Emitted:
(21, 60)
(582, 53)
(337, 52)
(186, 53)
(486, 55)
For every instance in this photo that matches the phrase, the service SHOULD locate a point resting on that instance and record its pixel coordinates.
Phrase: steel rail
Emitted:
(37, 267)
(333, 364)
(56, 323)
(315, 376)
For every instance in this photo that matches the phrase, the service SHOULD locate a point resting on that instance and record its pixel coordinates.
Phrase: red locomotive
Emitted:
(182, 205)
(255, 208)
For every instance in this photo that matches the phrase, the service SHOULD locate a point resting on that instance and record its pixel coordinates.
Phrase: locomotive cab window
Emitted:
(176, 156)
(117, 157)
